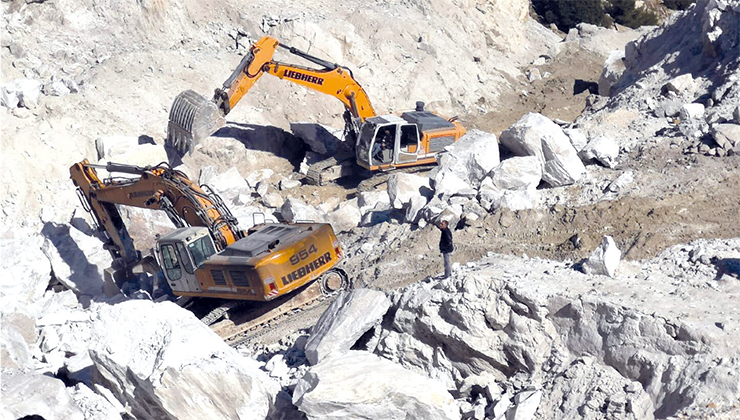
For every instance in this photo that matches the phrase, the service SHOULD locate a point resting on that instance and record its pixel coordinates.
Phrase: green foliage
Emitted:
(678, 4)
(566, 14)
(625, 13)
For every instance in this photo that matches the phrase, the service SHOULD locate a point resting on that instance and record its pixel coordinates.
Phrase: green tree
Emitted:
(625, 13)
(566, 14)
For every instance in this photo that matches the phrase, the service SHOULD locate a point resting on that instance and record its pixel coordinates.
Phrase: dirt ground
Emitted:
(701, 201)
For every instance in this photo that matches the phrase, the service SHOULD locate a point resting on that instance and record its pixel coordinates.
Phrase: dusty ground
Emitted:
(700, 202)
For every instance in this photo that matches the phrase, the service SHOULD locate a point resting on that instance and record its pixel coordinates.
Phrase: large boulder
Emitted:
(22, 93)
(472, 157)
(536, 135)
(447, 183)
(344, 321)
(517, 173)
(403, 187)
(33, 395)
(345, 217)
(159, 359)
(78, 260)
(294, 210)
(373, 201)
(603, 149)
(612, 71)
(360, 385)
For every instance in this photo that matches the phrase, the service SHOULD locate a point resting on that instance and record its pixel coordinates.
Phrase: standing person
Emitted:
(445, 246)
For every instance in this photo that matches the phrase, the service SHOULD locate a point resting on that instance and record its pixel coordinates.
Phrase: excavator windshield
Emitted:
(201, 249)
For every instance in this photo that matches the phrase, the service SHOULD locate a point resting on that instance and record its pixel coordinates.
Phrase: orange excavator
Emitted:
(207, 255)
(377, 142)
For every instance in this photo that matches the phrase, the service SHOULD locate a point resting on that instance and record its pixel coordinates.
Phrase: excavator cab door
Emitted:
(181, 253)
(408, 144)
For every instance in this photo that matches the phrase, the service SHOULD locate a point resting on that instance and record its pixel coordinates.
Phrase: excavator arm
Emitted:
(156, 188)
(193, 117)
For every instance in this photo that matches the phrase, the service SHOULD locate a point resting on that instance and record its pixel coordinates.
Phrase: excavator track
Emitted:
(339, 165)
(247, 319)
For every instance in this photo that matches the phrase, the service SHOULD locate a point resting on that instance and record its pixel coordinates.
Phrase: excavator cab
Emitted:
(387, 142)
(182, 252)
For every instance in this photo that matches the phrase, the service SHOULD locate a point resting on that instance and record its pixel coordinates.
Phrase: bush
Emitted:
(566, 14)
(625, 13)
(678, 4)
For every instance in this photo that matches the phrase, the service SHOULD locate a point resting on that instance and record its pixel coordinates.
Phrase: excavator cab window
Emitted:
(385, 142)
(201, 249)
(171, 262)
(183, 253)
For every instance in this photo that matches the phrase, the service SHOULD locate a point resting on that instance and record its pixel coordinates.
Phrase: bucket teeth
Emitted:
(192, 118)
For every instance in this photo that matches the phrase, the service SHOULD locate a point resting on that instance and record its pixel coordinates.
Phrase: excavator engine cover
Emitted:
(192, 118)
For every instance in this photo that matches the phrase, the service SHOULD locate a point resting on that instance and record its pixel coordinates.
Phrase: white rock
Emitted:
(14, 351)
(160, 358)
(110, 146)
(273, 200)
(56, 88)
(692, 112)
(360, 385)
(536, 135)
(605, 259)
(577, 138)
(472, 157)
(288, 184)
(403, 187)
(517, 173)
(37, 395)
(28, 92)
(447, 184)
(258, 176)
(624, 179)
(373, 201)
(612, 71)
(344, 321)
(518, 200)
(726, 135)
(345, 217)
(230, 184)
(526, 403)
(78, 260)
(603, 149)
(25, 272)
(680, 84)
(294, 210)
(414, 209)
(95, 406)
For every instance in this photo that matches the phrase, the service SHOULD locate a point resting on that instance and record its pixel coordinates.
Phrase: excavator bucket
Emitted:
(192, 118)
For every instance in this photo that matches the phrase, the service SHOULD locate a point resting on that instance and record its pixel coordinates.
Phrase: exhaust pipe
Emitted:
(192, 118)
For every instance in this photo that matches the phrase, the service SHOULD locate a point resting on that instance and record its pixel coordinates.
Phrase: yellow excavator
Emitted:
(207, 255)
(377, 142)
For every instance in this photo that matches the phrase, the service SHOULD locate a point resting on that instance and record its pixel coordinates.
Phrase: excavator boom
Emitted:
(193, 117)
(158, 188)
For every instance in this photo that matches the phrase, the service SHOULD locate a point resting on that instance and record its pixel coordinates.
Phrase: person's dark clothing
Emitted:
(445, 241)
